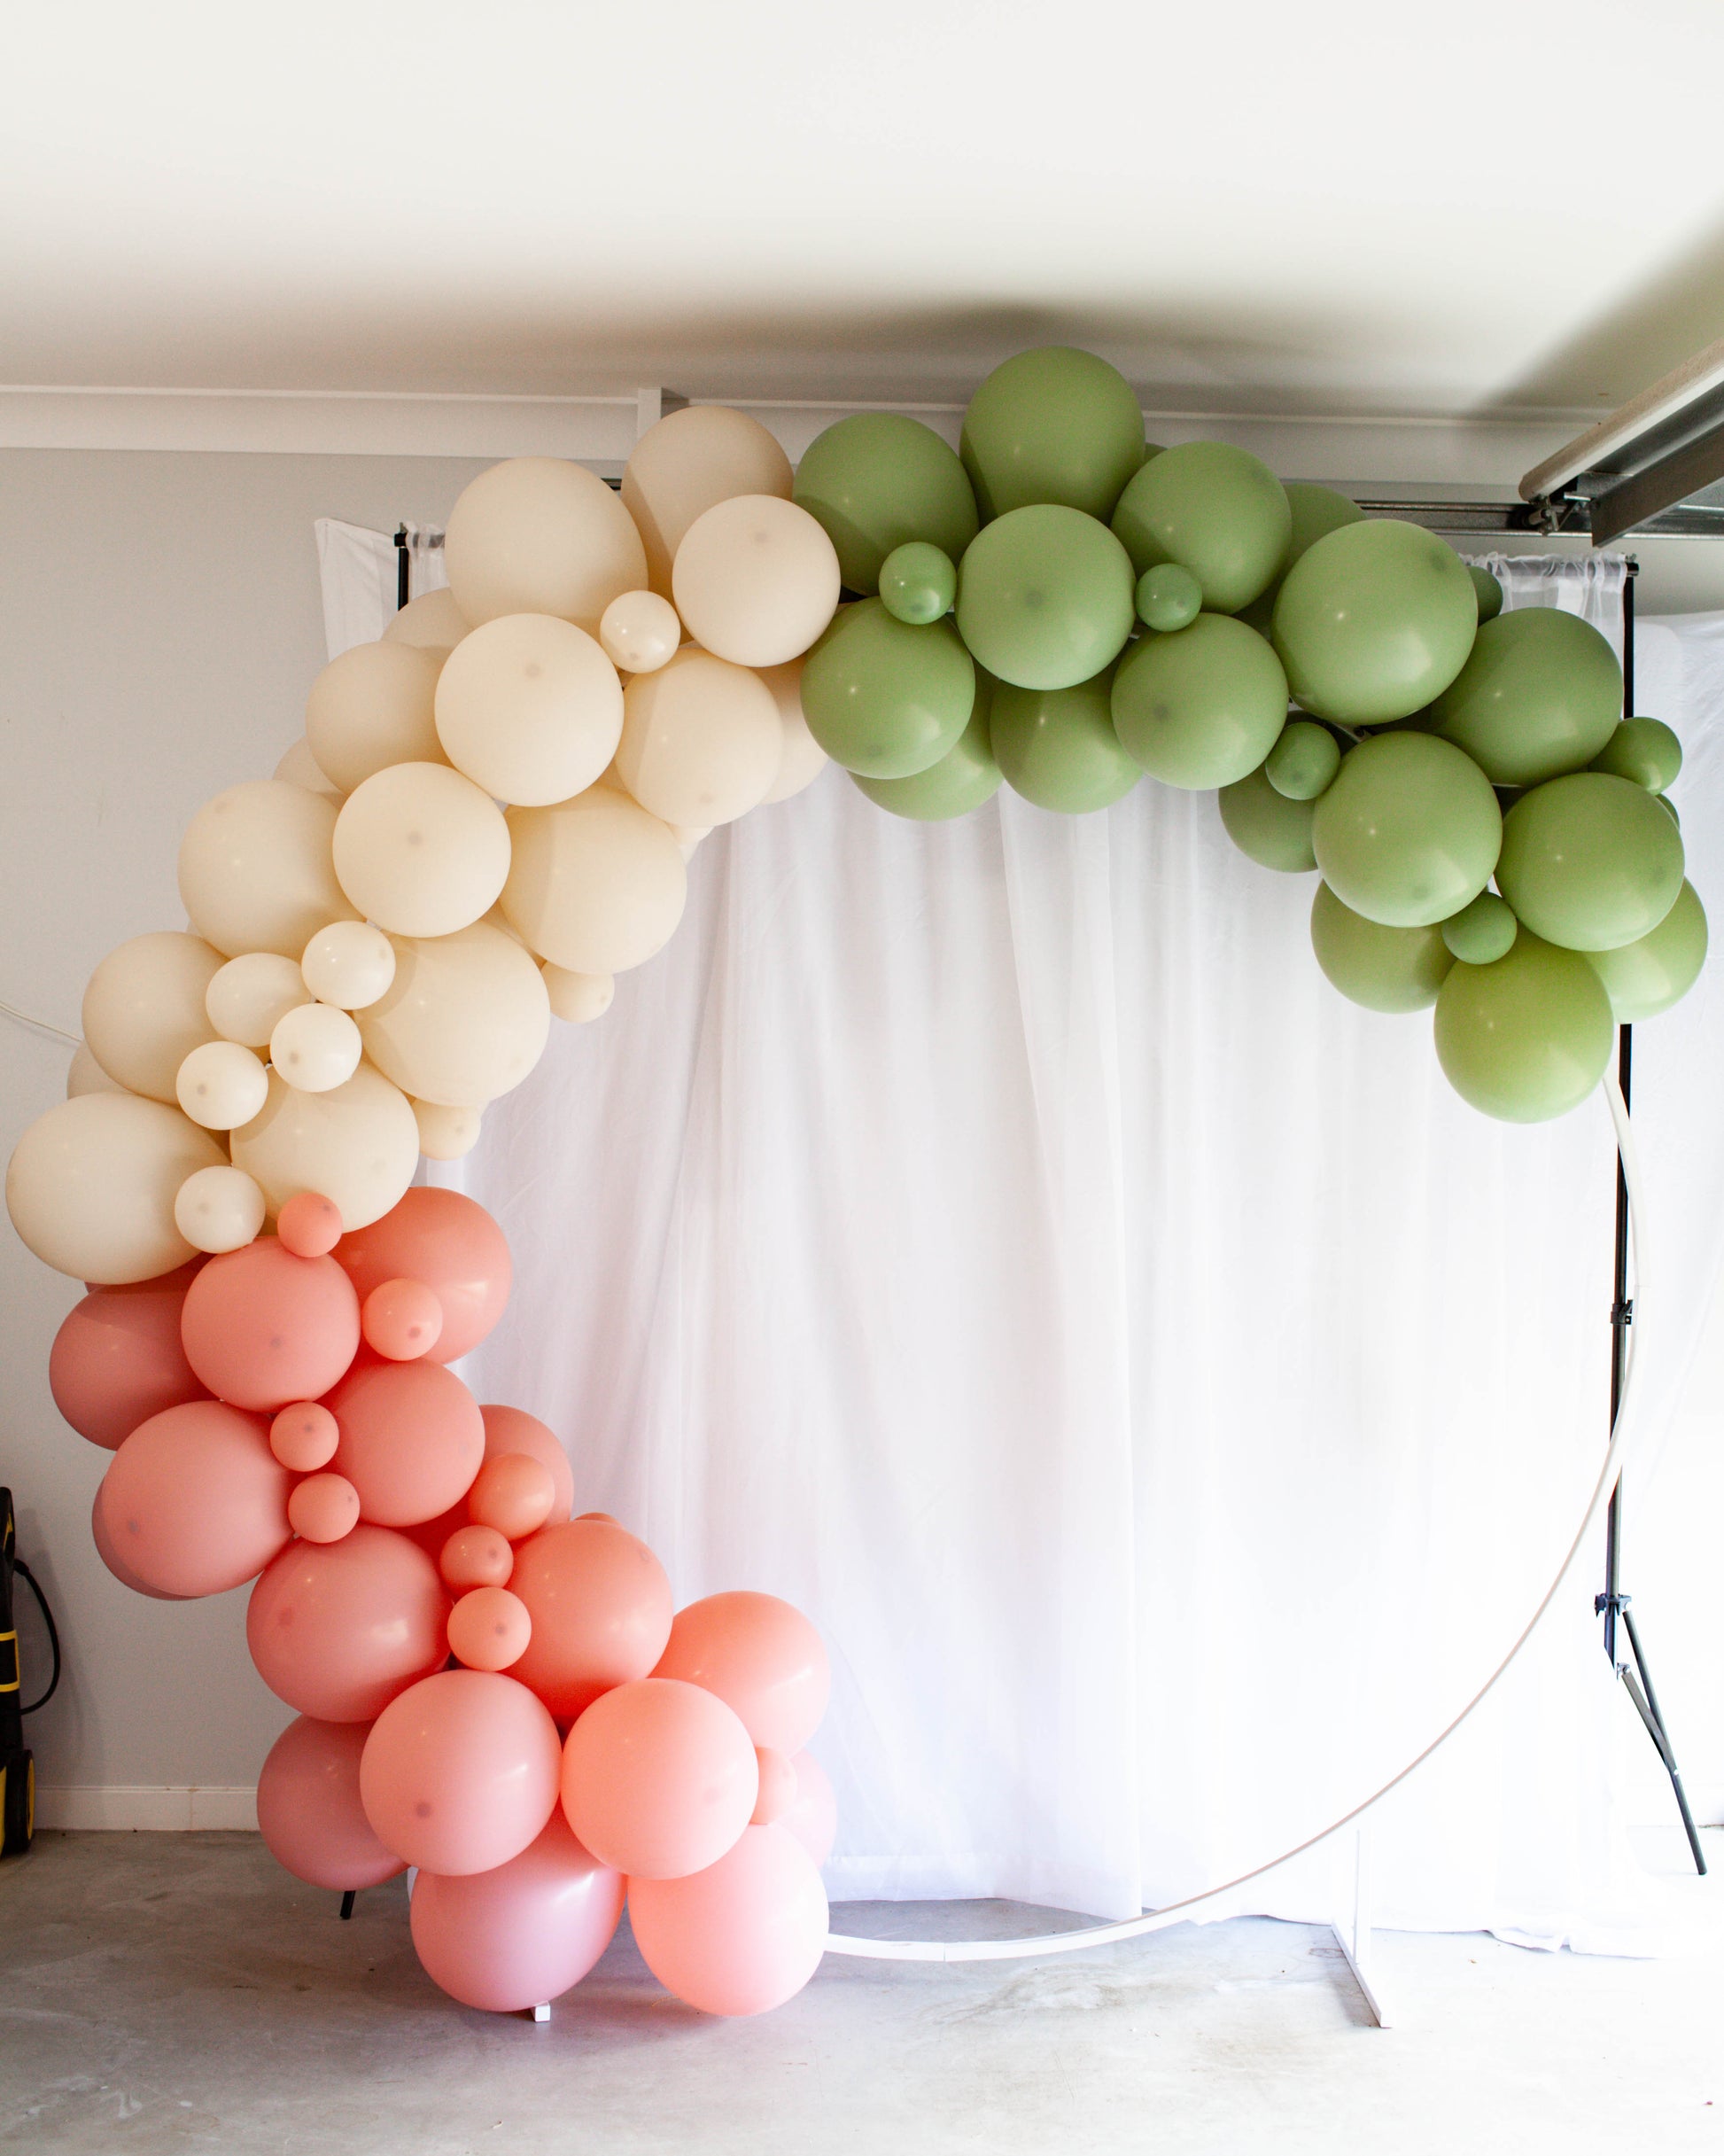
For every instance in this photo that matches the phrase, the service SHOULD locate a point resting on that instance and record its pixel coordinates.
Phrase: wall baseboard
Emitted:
(143, 1810)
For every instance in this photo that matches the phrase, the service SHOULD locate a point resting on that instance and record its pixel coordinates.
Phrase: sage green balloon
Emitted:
(1214, 509)
(964, 778)
(1045, 597)
(875, 480)
(1408, 831)
(1203, 706)
(918, 583)
(1488, 591)
(1054, 425)
(1304, 761)
(1316, 510)
(1526, 1038)
(1590, 861)
(1388, 970)
(1168, 597)
(1057, 747)
(1482, 933)
(1373, 621)
(1646, 977)
(882, 698)
(1666, 803)
(1643, 749)
(1266, 827)
(1539, 695)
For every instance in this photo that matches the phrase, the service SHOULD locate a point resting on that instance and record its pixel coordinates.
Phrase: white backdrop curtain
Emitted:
(1166, 1396)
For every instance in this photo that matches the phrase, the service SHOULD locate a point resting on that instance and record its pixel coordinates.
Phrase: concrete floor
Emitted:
(180, 1992)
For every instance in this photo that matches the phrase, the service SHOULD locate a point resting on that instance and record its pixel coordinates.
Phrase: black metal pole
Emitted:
(403, 568)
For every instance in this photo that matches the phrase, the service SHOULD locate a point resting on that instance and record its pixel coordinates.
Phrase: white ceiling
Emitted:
(1360, 207)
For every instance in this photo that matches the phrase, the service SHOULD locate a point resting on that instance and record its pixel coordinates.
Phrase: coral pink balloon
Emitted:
(489, 1628)
(511, 1429)
(304, 1436)
(262, 1328)
(609, 1517)
(508, 1939)
(323, 1507)
(338, 1628)
(813, 1816)
(110, 1558)
(741, 1937)
(308, 1225)
(513, 1493)
(761, 1657)
(118, 1359)
(659, 1778)
(411, 1439)
(461, 1772)
(451, 1244)
(475, 1557)
(600, 1608)
(194, 1502)
(309, 1814)
(401, 1320)
(778, 1786)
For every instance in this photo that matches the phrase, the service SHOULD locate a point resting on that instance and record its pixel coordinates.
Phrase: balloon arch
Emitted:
(489, 817)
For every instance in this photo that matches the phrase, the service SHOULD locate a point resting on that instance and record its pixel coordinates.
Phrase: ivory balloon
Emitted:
(465, 1018)
(421, 850)
(578, 998)
(687, 462)
(300, 767)
(218, 1209)
(530, 708)
(539, 536)
(90, 1185)
(432, 621)
(597, 884)
(143, 1010)
(357, 1145)
(84, 1074)
(640, 632)
(702, 740)
(801, 758)
(256, 872)
(756, 579)
(446, 1133)
(371, 707)
(350, 964)
(250, 996)
(316, 1048)
(221, 1085)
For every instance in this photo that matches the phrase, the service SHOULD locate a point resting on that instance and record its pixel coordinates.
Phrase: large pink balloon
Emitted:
(308, 1808)
(511, 1429)
(508, 1939)
(338, 1628)
(195, 1501)
(761, 1657)
(461, 1772)
(412, 1439)
(262, 1328)
(118, 1360)
(111, 1557)
(743, 1935)
(600, 1608)
(659, 1778)
(813, 1815)
(450, 1243)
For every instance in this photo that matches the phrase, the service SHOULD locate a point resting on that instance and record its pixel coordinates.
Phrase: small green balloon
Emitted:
(1052, 425)
(918, 583)
(1590, 861)
(1304, 761)
(875, 480)
(1664, 802)
(1385, 968)
(1528, 1036)
(1646, 977)
(1539, 694)
(1266, 827)
(1643, 749)
(883, 699)
(1217, 510)
(1057, 747)
(1203, 706)
(1489, 593)
(964, 778)
(1482, 933)
(1408, 831)
(1045, 597)
(1168, 597)
(1373, 621)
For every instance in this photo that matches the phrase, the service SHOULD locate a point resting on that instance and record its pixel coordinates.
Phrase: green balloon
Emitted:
(1057, 747)
(1528, 1036)
(1201, 707)
(964, 778)
(1385, 968)
(1488, 590)
(1643, 749)
(1646, 977)
(1408, 831)
(1373, 621)
(882, 698)
(876, 479)
(1045, 597)
(1590, 861)
(1217, 510)
(1482, 933)
(1316, 510)
(1304, 761)
(1539, 695)
(1052, 425)
(1266, 827)
(918, 583)
(1664, 802)
(1168, 597)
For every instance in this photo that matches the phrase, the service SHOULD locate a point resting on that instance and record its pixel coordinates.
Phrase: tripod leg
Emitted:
(346, 1904)
(1646, 1699)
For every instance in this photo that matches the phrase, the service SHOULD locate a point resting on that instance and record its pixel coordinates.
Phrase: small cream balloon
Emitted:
(640, 632)
(465, 1019)
(421, 850)
(357, 1146)
(144, 1010)
(597, 884)
(446, 1133)
(221, 1085)
(316, 1048)
(432, 621)
(578, 998)
(530, 708)
(537, 535)
(373, 707)
(350, 964)
(300, 767)
(689, 461)
(218, 1209)
(689, 836)
(702, 740)
(803, 759)
(755, 580)
(90, 1186)
(256, 871)
(250, 995)
(85, 1075)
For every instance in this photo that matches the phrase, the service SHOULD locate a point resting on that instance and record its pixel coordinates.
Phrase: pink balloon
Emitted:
(659, 1778)
(304, 1436)
(778, 1786)
(262, 1328)
(511, 1429)
(459, 1773)
(741, 1937)
(401, 1320)
(309, 1225)
(338, 1628)
(508, 1939)
(323, 1507)
(489, 1629)
(195, 1501)
(451, 1244)
(309, 1814)
(411, 1439)
(761, 1657)
(600, 1608)
(813, 1815)
(513, 1493)
(111, 1557)
(475, 1557)
(118, 1360)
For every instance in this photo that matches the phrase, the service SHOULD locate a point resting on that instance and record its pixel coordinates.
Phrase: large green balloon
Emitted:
(1408, 831)
(1589, 860)
(1303, 763)
(876, 479)
(1539, 694)
(1052, 425)
(1527, 1037)
(1647, 976)
(1045, 597)
(1316, 510)
(1057, 747)
(882, 698)
(1203, 706)
(1391, 969)
(1214, 509)
(1266, 827)
(1643, 749)
(1373, 621)
(964, 778)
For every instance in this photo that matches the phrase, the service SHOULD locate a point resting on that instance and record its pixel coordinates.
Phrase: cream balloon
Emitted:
(578, 998)
(530, 708)
(256, 872)
(689, 836)
(539, 536)
(218, 1209)
(143, 1010)
(640, 632)
(250, 996)
(465, 1019)
(90, 1186)
(300, 767)
(803, 759)
(702, 740)
(432, 621)
(221, 1085)
(349, 964)
(356, 1145)
(597, 884)
(421, 850)
(86, 1075)
(446, 1133)
(687, 463)
(755, 580)
(316, 1048)
(373, 707)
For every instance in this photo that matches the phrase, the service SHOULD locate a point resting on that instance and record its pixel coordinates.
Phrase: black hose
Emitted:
(25, 1573)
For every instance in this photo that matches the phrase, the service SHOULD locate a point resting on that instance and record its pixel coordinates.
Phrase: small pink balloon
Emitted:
(309, 1814)
(511, 1429)
(489, 1628)
(659, 1778)
(304, 1436)
(505, 1940)
(401, 1320)
(609, 1518)
(778, 1787)
(514, 1493)
(600, 1608)
(111, 1557)
(338, 1628)
(323, 1507)
(263, 1326)
(813, 1816)
(461, 1772)
(309, 1225)
(477, 1557)
(741, 1937)
(411, 1439)
(194, 1502)
(118, 1359)
(450, 1243)
(761, 1657)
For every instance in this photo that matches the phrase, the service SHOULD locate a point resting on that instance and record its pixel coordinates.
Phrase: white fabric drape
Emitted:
(361, 571)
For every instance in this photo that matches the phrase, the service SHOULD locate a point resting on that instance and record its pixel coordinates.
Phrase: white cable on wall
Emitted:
(42, 1025)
